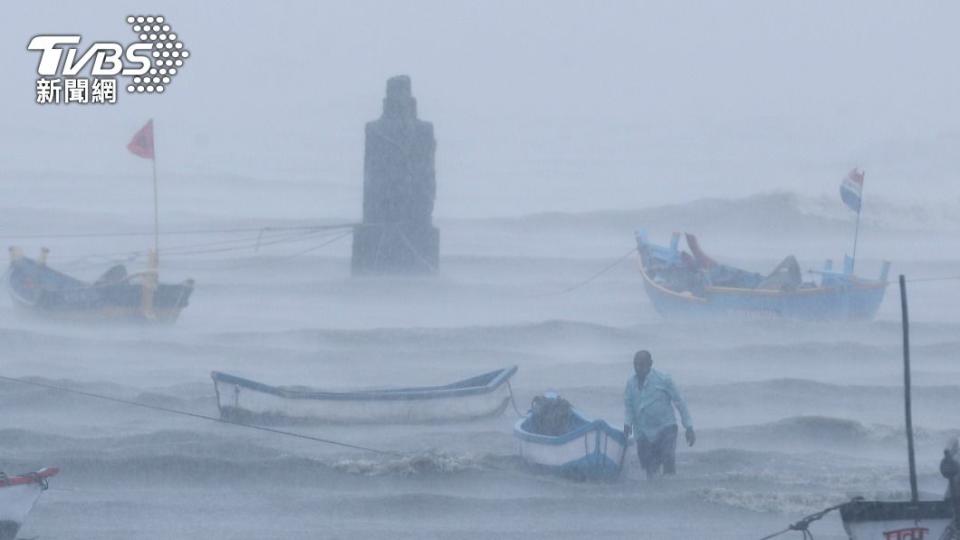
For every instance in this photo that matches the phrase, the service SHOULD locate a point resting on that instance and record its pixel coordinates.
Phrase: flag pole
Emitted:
(856, 232)
(908, 413)
(156, 204)
(856, 235)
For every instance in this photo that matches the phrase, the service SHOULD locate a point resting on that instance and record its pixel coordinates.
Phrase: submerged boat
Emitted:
(579, 448)
(691, 284)
(18, 494)
(247, 401)
(116, 295)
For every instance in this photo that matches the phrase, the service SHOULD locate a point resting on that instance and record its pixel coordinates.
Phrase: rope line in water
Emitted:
(294, 255)
(182, 252)
(590, 279)
(243, 241)
(513, 400)
(177, 233)
(198, 415)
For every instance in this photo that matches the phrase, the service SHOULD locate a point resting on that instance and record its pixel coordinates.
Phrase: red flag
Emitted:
(142, 142)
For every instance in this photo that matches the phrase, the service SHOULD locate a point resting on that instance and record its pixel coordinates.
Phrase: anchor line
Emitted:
(590, 279)
(178, 233)
(513, 400)
(199, 416)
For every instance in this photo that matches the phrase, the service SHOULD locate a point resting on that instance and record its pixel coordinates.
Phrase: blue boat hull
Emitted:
(856, 302)
(685, 285)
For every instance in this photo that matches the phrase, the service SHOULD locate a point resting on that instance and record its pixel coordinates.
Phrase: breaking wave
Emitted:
(779, 211)
(799, 503)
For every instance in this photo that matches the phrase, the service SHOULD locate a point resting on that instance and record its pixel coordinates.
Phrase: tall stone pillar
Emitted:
(397, 235)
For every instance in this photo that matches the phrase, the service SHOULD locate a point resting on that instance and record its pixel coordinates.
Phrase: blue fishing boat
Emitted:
(116, 296)
(684, 283)
(583, 449)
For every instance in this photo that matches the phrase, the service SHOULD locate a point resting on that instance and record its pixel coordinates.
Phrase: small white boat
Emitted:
(246, 401)
(589, 449)
(18, 494)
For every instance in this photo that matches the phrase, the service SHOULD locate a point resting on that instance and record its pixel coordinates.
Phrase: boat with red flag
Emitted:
(116, 295)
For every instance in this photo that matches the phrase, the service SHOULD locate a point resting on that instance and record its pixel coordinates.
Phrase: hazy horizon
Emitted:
(610, 106)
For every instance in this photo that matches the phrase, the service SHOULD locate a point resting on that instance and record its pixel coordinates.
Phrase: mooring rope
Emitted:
(176, 233)
(590, 279)
(286, 258)
(513, 400)
(200, 416)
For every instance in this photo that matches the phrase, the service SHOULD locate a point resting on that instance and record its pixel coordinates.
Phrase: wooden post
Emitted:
(905, 322)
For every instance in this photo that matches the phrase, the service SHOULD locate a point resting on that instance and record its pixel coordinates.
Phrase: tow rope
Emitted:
(590, 279)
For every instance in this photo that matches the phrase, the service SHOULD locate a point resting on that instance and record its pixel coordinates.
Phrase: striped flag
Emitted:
(851, 189)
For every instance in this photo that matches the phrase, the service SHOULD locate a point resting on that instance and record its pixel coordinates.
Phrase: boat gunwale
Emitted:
(855, 283)
(82, 285)
(34, 477)
(498, 378)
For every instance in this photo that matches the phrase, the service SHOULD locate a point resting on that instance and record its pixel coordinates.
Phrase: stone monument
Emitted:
(397, 235)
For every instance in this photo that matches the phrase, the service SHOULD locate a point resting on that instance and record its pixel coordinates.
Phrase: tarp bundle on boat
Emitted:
(115, 295)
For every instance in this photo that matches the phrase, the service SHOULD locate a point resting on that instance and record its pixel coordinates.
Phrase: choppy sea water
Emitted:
(791, 417)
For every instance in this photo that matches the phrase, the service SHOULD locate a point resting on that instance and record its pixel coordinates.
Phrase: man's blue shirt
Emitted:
(649, 408)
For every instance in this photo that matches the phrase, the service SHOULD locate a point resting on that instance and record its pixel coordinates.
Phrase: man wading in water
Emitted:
(649, 401)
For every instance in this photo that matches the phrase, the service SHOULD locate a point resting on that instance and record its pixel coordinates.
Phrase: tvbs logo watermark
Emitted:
(147, 65)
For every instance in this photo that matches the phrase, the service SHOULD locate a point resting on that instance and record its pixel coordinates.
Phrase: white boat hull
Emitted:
(244, 403)
(571, 451)
(593, 451)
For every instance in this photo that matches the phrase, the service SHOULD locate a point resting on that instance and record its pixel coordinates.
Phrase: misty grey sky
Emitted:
(538, 106)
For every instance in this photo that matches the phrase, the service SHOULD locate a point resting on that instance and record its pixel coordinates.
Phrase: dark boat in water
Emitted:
(116, 295)
(691, 284)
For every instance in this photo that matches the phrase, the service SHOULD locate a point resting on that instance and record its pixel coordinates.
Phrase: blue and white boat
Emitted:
(690, 284)
(589, 450)
(247, 401)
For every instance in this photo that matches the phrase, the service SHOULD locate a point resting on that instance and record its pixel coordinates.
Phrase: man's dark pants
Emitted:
(660, 452)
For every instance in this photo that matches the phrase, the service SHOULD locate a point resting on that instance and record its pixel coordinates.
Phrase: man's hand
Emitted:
(691, 436)
(626, 430)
